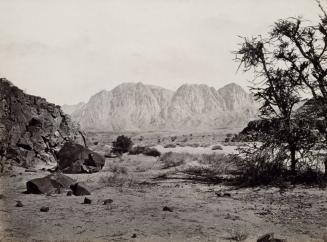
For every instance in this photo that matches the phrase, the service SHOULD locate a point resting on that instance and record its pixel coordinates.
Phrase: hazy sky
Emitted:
(67, 50)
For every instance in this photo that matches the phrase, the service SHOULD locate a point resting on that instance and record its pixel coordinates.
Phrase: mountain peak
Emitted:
(232, 86)
(137, 106)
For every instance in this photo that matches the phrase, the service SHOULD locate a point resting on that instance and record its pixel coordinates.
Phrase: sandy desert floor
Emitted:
(136, 214)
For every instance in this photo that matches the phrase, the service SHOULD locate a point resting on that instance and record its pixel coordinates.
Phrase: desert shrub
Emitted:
(193, 145)
(258, 167)
(269, 165)
(217, 147)
(184, 140)
(213, 168)
(122, 145)
(172, 159)
(145, 151)
(310, 176)
(237, 235)
(170, 146)
(117, 169)
(116, 180)
(151, 152)
(203, 173)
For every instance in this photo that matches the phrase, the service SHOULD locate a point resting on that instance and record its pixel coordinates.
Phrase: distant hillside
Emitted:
(69, 109)
(139, 107)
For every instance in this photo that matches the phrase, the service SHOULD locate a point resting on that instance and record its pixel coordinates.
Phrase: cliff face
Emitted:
(139, 107)
(31, 129)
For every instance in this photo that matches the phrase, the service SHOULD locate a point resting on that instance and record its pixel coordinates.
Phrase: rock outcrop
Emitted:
(74, 158)
(139, 107)
(53, 183)
(31, 129)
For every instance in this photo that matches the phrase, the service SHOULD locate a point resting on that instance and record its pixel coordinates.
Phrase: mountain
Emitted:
(69, 109)
(31, 129)
(138, 107)
(129, 106)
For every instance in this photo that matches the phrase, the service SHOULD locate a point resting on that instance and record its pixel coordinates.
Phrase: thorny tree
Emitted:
(292, 59)
(303, 47)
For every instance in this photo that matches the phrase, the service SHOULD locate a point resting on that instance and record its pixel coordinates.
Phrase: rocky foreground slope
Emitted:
(139, 107)
(31, 129)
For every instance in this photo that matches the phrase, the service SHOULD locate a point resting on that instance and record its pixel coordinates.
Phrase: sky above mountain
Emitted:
(67, 50)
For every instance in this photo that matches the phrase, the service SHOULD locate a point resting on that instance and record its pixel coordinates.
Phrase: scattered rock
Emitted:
(44, 209)
(69, 193)
(167, 209)
(49, 184)
(31, 170)
(80, 189)
(269, 238)
(108, 201)
(87, 201)
(74, 158)
(19, 204)
(134, 236)
(223, 194)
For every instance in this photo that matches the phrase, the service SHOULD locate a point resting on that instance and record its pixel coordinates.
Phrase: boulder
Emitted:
(19, 204)
(80, 189)
(74, 158)
(167, 209)
(49, 184)
(44, 209)
(107, 201)
(87, 201)
(269, 238)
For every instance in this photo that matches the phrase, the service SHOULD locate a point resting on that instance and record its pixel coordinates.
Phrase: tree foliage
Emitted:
(289, 62)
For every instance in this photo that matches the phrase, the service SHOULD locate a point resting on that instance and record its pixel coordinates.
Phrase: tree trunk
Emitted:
(293, 161)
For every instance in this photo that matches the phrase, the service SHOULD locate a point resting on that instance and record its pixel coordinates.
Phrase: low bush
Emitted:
(116, 180)
(170, 146)
(145, 151)
(122, 145)
(117, 169)
(217, 147)
(172, 159)
(262, 168)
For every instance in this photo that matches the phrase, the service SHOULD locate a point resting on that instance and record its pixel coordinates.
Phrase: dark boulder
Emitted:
(19, 204)
(269, 238)
(44, 209)
(74, 158)
(80, 189)
(167, 209)
(107, 201)
(87, 201)
(49, 184)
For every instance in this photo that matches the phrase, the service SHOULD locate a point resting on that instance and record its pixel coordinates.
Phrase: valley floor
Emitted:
(136, 214)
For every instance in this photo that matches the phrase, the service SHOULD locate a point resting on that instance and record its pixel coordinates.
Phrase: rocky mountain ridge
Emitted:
(140, 107)
(31, 129)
